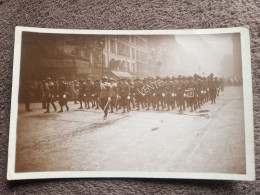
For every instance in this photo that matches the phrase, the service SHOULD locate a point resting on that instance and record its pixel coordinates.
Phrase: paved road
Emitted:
(209, 140)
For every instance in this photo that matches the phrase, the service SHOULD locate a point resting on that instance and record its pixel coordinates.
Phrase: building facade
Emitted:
(81, 56)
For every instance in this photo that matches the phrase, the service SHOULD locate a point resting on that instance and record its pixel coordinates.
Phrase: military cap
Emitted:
(112, 79)
(104, 78)
(211, 74)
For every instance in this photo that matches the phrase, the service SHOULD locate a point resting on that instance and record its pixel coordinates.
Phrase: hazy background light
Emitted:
(203, 54)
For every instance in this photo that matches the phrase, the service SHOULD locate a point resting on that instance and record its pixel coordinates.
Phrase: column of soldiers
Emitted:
(126, 94)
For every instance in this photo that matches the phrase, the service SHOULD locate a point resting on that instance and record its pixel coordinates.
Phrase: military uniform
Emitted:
(138, 93)
(190, 94)
(82, 93)
(89, 90)
(49, 93)
(113, 94)
(105, 96)
(124, 93)
(180, 89)
(97, 91)
(62, 94)
(212, 89)
(168, 92)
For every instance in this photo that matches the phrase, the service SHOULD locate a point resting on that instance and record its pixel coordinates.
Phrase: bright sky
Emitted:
(201, 53)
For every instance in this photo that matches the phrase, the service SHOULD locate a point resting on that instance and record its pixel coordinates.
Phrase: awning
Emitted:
(121, 74)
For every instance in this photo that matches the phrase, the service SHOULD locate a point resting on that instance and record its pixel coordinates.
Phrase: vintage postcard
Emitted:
(131, 103)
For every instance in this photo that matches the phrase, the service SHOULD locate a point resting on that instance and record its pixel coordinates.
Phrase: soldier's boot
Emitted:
(55, 109)
(80, 105)
(67, 107)
(105, 116)
(157, 107)
(123, 108)
(191, 108)
(61, 110)
(111, 111)
(87, 106)
(97, 106)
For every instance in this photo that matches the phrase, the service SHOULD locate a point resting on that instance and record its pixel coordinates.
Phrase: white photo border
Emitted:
(247, 95)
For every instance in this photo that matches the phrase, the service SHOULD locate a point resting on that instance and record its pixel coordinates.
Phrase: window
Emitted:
(132, 39)
(113, 45)
(123, 50)
(140, 42)
(133, 53)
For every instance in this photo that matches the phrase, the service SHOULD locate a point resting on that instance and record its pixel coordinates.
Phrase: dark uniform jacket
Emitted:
(105, 90)
(124, 90)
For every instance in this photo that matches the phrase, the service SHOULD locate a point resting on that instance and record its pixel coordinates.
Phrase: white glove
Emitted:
(64, 96)
(173, 95)
(57, 96)
(153, 94)
(184, 95)
(128, 97)
(163, 94)
(201, 91)
(109, 99)
(84, 95)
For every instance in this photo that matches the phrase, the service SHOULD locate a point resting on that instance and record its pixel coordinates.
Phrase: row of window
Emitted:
(124, 50)
(133, 39)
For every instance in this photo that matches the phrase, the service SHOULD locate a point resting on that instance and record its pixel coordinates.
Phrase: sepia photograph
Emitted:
(149, 104)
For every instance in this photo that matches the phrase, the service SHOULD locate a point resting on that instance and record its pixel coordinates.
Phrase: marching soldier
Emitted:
(190, 94)
(132, 95)
(138, 93)
(105, 98)
(82, 93)
(42, 94)
(113, 94)
(180, 89)
(168, 92)
(150, 96)
(97, 91)
(62, 94)
(49, 91)
(212, 88)
(173, 92)
(124, 93)
(75, 91)
(27, 90)
(89, 90)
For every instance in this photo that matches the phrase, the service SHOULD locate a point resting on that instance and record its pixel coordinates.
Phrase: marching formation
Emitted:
(124, 94)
